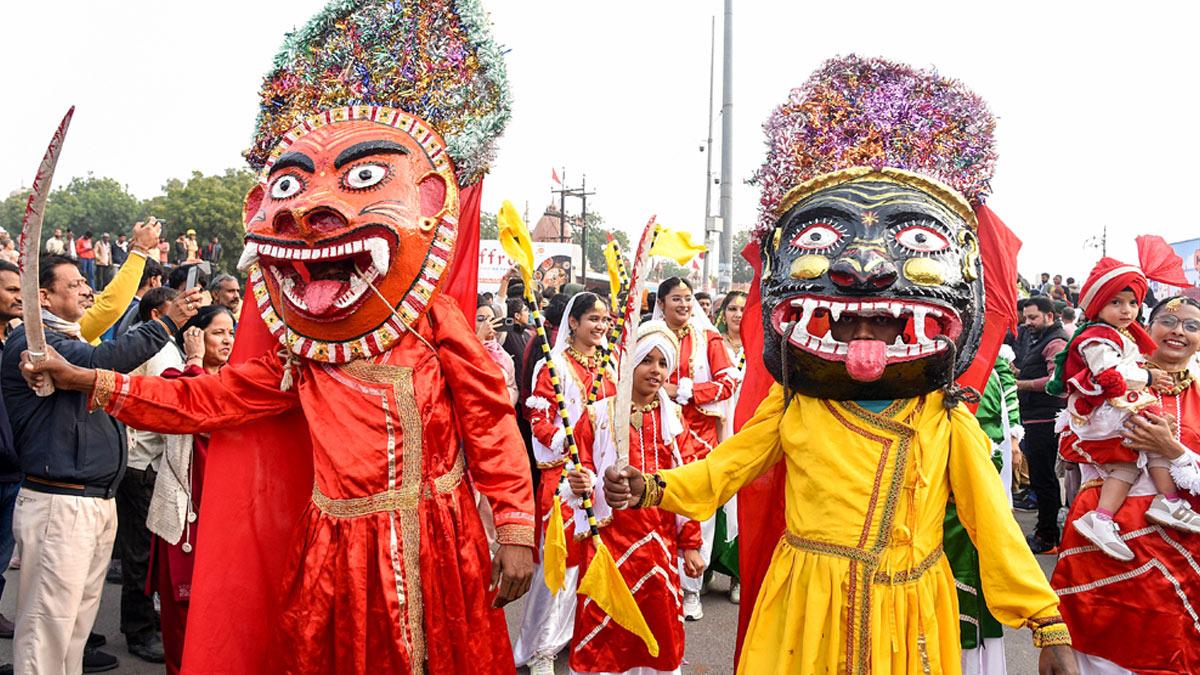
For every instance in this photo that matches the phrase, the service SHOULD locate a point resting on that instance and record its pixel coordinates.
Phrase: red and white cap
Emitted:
(1109, 277)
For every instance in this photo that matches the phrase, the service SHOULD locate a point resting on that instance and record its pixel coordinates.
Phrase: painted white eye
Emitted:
(817, 237)
(365, 175)
(922, 239)
(286, 186)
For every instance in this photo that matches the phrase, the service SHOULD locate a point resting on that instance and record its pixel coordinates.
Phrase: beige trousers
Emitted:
(66, 543)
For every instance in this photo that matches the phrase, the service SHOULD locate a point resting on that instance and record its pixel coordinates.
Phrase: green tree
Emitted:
(488, 229)
(743, 273)
(96, 204)
(84, 203)
(211, 205)
(597, 239)
(12, 211)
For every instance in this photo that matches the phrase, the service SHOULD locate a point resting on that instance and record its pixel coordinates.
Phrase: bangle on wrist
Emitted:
(653, 494)
(1050, 631)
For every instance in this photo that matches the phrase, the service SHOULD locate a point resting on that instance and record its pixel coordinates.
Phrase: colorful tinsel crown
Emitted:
(431, 58)
(856, 112)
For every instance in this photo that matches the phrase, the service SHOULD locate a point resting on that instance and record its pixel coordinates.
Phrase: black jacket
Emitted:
(10, 465)
(56, 438)
(1031, 361)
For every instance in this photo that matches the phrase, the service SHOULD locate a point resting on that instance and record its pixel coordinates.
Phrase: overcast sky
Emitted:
(1096, 107)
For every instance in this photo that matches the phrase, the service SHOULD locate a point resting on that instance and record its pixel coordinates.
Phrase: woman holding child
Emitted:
(1143, 615)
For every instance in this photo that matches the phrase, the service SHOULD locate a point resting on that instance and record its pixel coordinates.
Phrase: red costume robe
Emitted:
(646, 543)
(703, 424)
(388, 569)
(1141, 614)
(545, 421)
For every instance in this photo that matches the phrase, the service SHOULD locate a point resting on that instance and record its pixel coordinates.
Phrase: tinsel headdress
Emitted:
(877, 114)
(434, 59)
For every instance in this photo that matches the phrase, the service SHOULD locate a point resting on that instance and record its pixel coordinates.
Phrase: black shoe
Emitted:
(113, 576)
(6, 669)
(1040, 545)
(6, 629)
(96, 661)
(149, 649)
(1026, 503)
(95, 641)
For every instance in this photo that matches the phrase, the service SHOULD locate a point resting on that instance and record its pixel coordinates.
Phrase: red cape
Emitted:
(257, 483)
(761, 503)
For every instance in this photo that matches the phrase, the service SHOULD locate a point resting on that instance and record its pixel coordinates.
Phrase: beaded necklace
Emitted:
(589, 362)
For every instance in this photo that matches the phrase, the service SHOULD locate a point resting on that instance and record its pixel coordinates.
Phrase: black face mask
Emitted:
(876, 252)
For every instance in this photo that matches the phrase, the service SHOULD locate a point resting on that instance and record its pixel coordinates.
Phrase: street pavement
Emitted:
(709, 646)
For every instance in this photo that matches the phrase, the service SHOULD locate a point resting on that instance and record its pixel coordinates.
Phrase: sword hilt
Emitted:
(47, 388)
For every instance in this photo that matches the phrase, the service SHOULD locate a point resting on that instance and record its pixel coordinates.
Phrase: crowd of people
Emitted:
(139, 499)
(689, 366)
(81, 499)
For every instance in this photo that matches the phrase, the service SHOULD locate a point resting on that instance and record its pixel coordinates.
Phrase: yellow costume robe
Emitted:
(859, 583)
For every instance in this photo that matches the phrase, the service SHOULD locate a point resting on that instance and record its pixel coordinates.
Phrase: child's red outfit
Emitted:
(1104, 375)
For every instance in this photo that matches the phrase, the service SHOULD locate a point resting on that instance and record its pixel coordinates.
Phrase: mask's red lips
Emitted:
(323, 281)
(804, 322)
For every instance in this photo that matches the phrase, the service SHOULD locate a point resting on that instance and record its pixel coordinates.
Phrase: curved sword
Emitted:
(31, 249)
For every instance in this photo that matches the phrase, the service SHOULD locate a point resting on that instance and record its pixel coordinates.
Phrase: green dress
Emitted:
(975, 621)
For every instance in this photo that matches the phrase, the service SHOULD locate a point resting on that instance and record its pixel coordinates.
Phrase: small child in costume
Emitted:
(1107, 378)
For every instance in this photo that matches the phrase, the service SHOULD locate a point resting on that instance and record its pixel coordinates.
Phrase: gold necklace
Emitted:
(1182, 378)
(589, 362)
(639, 411)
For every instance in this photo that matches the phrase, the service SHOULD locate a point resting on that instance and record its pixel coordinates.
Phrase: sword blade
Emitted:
(30, 246)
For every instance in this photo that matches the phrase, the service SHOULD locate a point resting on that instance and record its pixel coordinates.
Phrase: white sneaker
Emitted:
(692, 610)
(1105, 534)
(1178, 515)
(541, 665)
(735, 592)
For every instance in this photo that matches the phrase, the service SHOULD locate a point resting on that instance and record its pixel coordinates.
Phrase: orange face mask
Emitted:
(351, 225)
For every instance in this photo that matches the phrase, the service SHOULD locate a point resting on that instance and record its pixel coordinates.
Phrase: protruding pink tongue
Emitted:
(865, 359)
(319, 295)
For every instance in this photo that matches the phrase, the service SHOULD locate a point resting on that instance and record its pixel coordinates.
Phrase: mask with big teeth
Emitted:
(864, 282)
(340, 209)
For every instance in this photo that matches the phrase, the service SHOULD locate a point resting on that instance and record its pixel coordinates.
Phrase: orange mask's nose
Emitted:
(312, 224)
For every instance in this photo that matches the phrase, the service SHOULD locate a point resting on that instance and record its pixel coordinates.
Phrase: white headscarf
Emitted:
(562, 340)
(657, 335)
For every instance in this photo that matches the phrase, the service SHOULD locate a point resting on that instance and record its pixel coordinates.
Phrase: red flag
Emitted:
(1160, 262)
(461, 279)
(998, 247)
(554, 176)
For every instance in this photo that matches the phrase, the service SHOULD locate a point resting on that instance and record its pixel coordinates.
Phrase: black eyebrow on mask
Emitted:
(366, 148)
(297, 160)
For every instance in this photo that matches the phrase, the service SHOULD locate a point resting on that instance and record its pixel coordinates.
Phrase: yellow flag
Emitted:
(605, 586)
(554, 550)
(676, 245)
(515, 239)
(611, 256)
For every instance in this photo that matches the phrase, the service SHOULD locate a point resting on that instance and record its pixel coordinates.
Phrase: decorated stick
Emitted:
(603, 581)
(623, 348)
(618, 273)
(30, 246)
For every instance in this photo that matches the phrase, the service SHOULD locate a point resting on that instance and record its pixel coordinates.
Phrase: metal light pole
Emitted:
(708, 174)
(726, 267)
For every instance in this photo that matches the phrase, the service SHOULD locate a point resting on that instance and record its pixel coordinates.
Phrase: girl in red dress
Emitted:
(702, 382)
(207, 341)
(546, 626)
(645, 542)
